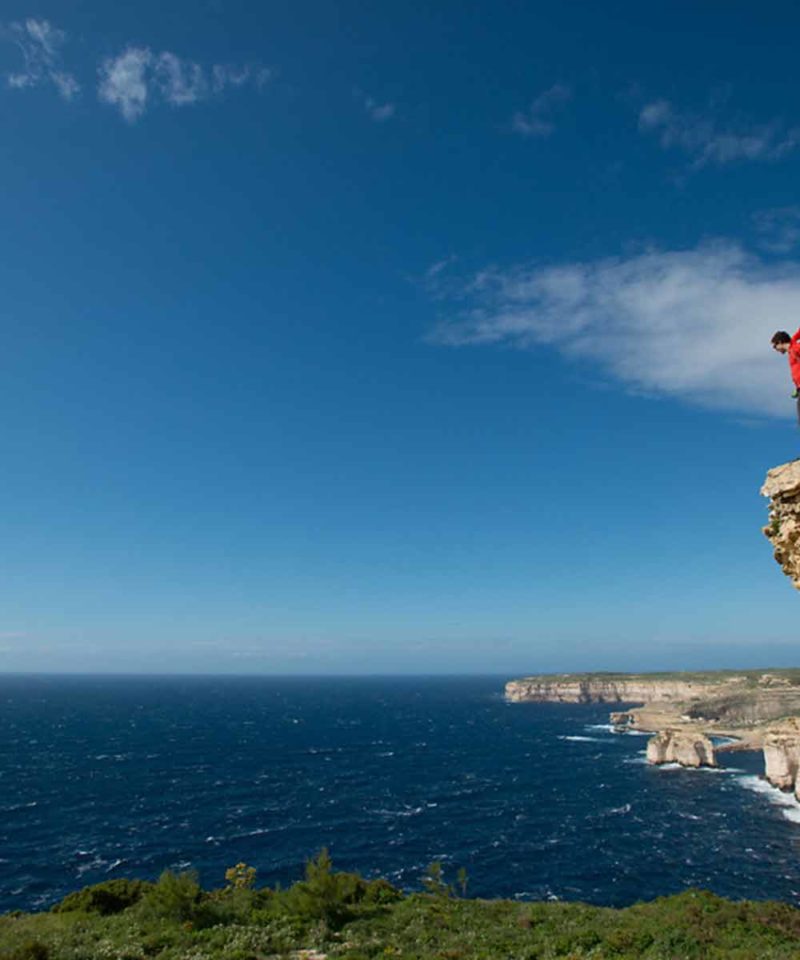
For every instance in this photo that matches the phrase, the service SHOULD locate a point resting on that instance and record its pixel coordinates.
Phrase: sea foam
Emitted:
(790, 807)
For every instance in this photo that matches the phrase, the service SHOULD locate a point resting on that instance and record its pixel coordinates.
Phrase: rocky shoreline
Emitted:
(688, 713)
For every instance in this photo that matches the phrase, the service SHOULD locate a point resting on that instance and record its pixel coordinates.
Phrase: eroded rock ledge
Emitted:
(782, 486)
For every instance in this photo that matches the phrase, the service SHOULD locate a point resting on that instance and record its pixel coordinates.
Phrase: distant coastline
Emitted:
(740, 704)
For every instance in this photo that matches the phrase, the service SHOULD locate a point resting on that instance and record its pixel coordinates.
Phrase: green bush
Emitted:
(30, 950)
(177, 897)
(332, 897)
(107, 898)
(380, 891)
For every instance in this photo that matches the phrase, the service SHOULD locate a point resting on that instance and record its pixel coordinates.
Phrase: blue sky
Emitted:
(376, 338)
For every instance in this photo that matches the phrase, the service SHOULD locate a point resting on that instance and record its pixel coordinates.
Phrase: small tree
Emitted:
(176, 897)
(240, 877)
(433, 880)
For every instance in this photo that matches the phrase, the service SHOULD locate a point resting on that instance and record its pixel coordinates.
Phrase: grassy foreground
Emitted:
(342, 915)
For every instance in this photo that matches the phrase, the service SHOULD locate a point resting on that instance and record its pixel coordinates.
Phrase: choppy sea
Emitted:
(111, 777)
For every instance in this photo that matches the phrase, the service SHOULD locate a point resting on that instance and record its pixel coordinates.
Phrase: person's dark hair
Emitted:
(780, 337)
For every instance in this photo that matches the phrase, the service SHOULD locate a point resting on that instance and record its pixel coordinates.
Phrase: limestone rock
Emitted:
(782, 754)
(687, 748)
(782, 486)
(621, 719)
(572, 688)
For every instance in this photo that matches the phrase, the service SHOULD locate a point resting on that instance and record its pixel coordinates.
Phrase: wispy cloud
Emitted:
(537, 120)
(693, 324)
(439, 266)
(708, 142)
(124, 83)
(231, 75)
(379, 112)
(137, 76)
(778, 229)
(181, 82)
(40, 44)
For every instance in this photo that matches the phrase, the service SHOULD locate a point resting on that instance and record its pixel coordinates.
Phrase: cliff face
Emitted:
(782, 486)
(782, 755)
(571, 689)
(679, 746)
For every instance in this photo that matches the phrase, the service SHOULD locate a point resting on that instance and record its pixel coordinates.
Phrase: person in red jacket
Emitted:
(783, 343)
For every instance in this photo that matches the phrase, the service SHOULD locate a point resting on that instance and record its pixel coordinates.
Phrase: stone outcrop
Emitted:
(683, 747)
(571, 688)
(621, 720)
(782, 755)
(782, 486)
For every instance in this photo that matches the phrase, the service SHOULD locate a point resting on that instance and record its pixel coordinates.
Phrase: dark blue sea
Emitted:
(112, 777)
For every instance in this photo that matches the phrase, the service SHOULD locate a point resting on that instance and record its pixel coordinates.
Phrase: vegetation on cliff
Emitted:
(342, 915)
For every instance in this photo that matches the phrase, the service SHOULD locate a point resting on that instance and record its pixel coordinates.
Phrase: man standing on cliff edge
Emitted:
(783, 343)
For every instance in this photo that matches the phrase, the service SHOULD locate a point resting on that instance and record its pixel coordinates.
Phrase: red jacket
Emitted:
(794, 359)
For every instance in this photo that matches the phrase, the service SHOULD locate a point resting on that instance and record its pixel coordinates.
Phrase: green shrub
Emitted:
(30, 950)
(331, 897)
(107, 898)
(177, 897)
(381, 891)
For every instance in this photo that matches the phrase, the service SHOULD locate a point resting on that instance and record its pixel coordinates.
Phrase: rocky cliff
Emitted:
(572, 688)
(782, 486)
(782, 755)
(679, 746)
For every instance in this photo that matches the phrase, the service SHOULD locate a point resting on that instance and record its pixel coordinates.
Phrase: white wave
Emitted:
(678, 766)
(408, 812)
(790, 807)
(579, 739)
(94, 864)
(609, 728)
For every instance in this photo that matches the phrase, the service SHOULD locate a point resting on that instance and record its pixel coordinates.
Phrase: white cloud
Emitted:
(707, 143)
(536, 121)
(691, 324)
(124, 82)
(40, 44)
(379, 112)
(181, 82)
(137, 76)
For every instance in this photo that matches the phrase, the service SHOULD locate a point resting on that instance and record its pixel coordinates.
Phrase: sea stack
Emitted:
(782, 755)
(679, 746)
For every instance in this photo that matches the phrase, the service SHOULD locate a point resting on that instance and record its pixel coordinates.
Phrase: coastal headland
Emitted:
(689, 712)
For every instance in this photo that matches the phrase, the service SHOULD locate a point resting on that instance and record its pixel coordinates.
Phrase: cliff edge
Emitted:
(599, 688)
(782, 486)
